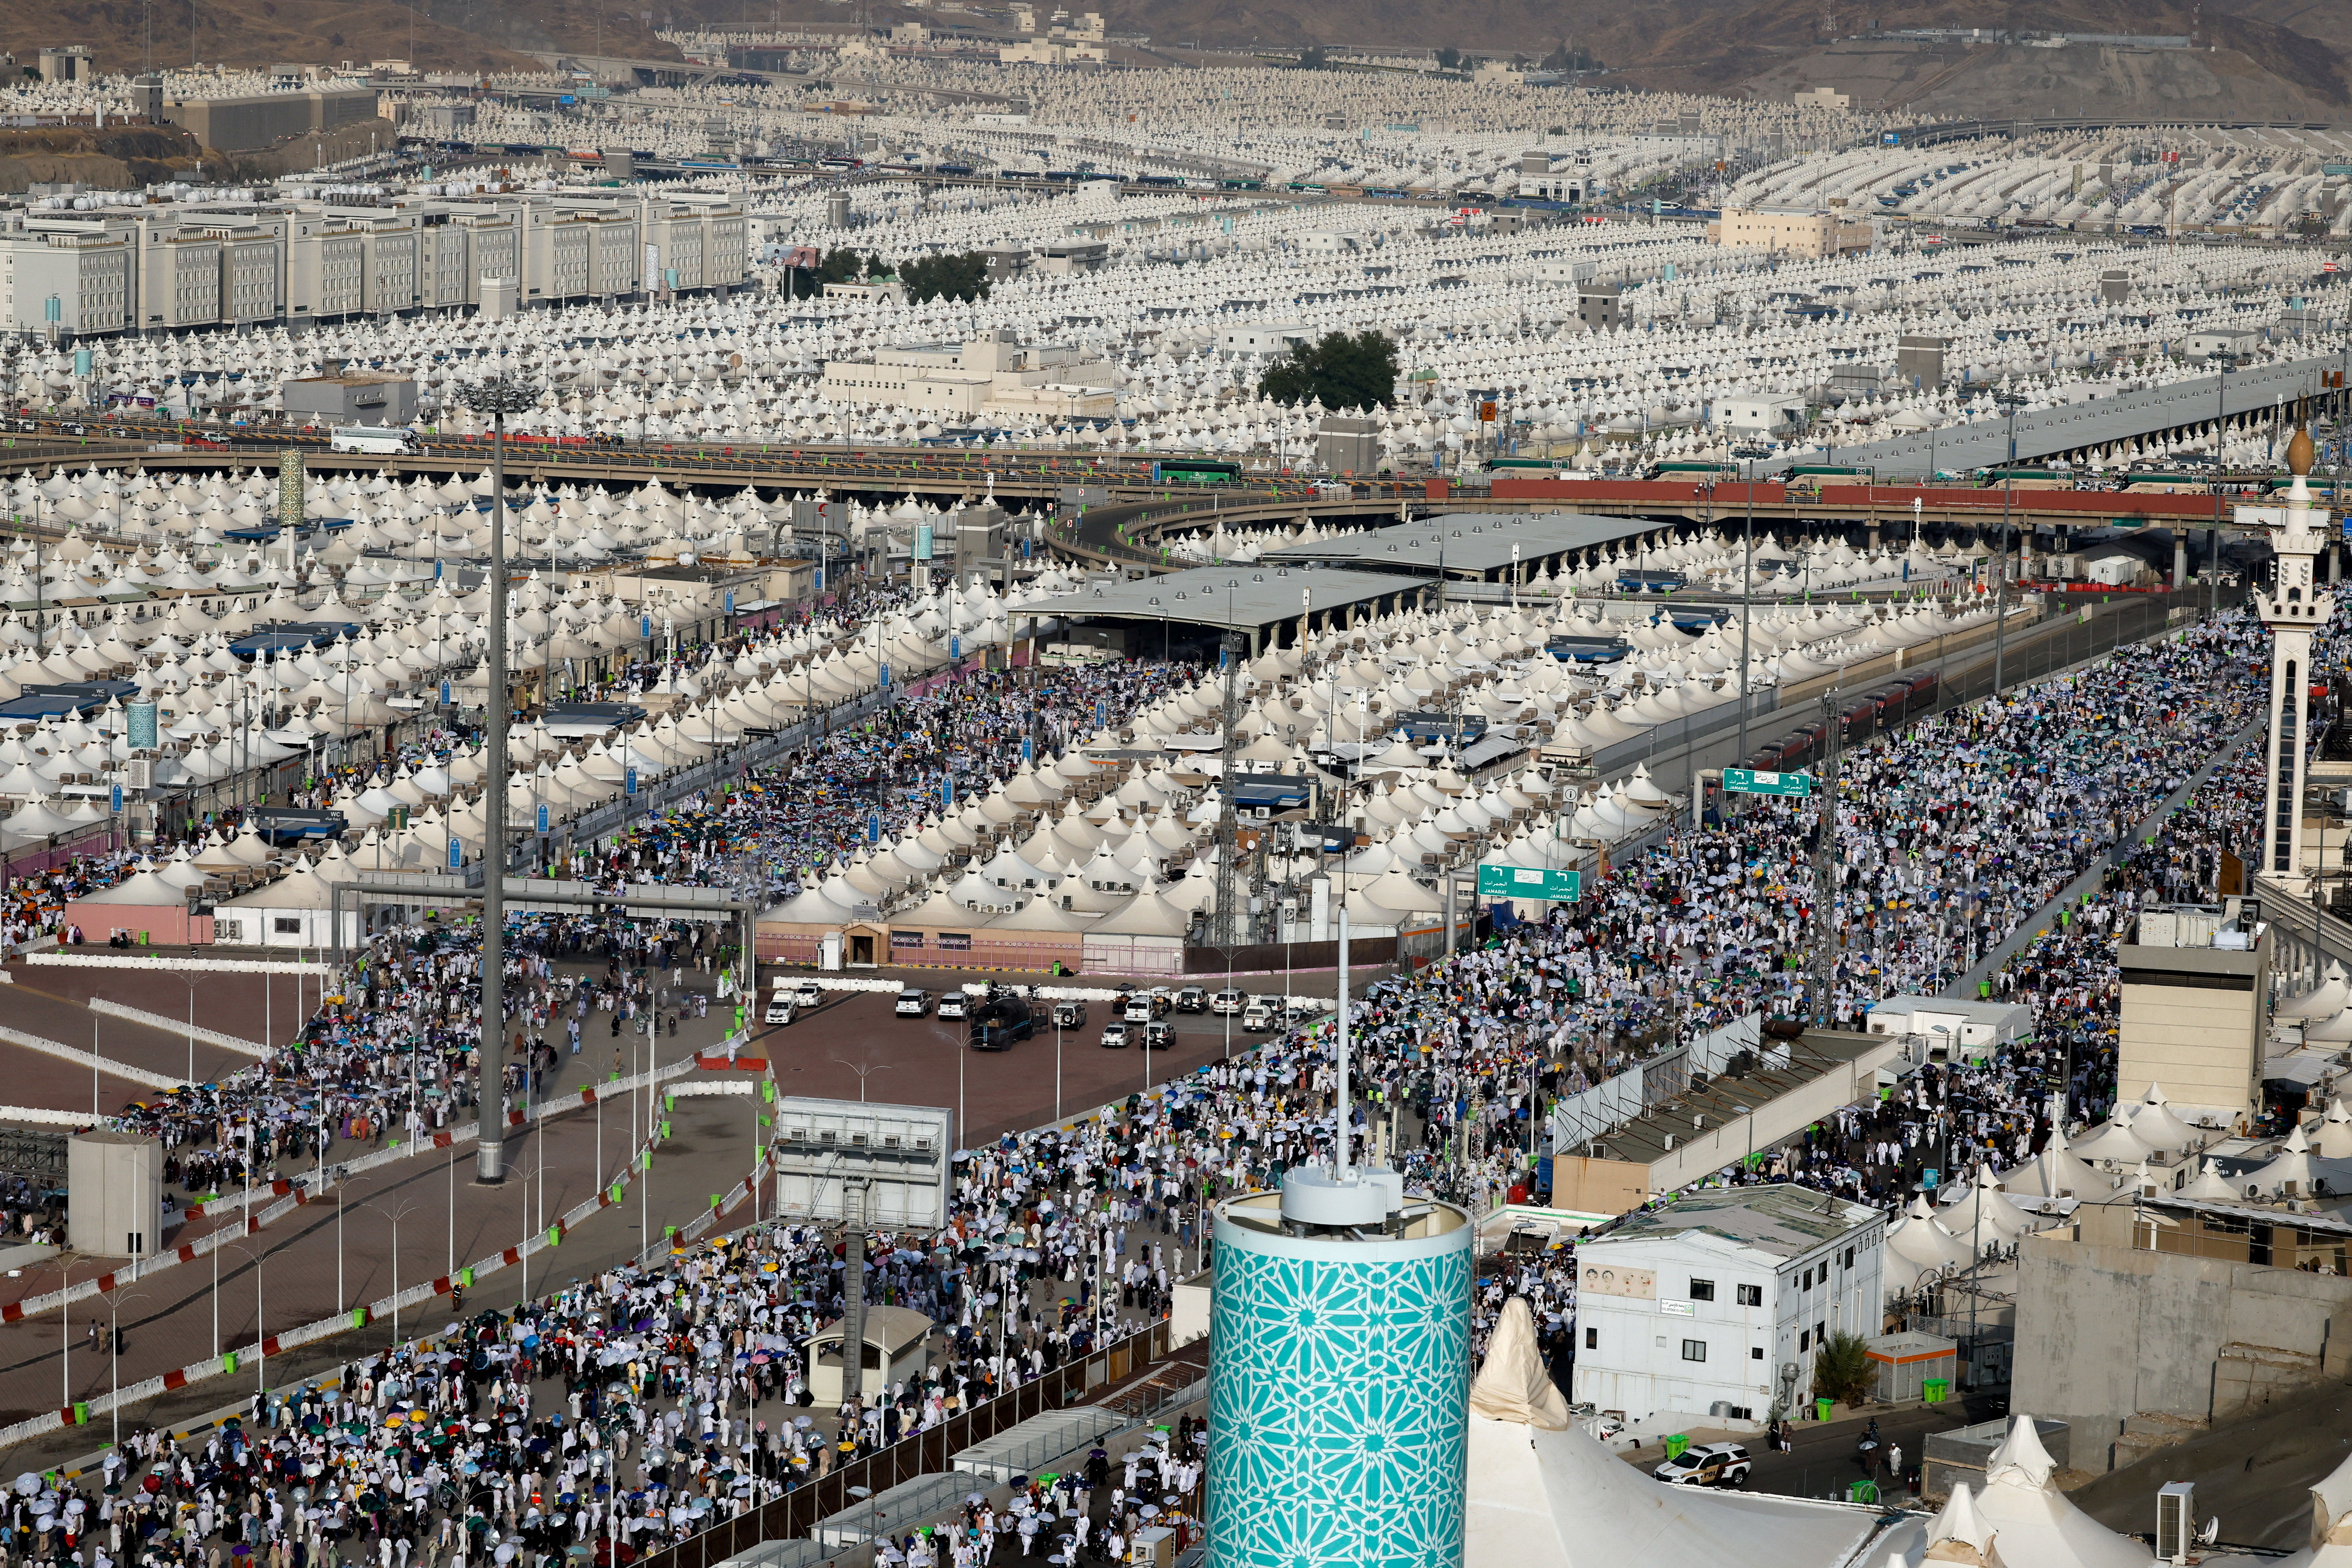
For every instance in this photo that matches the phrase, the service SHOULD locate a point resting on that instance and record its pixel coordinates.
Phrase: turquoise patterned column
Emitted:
(1338, 1394)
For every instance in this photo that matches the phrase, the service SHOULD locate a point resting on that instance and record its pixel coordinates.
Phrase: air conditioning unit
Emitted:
(139, 773)
(2176, 1520)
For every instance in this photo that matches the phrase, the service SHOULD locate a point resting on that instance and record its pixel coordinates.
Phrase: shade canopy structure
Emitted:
(1544, 1494)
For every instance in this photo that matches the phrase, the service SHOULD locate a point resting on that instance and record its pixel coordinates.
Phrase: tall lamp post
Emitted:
(499, 396)
(114, 1305)
(2224, 362)
(1747, 454)
(2012, 403)
(395, 1216)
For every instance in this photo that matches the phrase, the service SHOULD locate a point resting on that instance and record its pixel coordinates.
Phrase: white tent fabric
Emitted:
(2331, 1523)
(2113, 1142)
(2034, 1523)
(2155, 1124)
(2323, 1001)
(1542, 1496)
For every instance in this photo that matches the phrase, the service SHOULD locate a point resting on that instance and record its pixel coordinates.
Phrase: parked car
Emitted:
(1114, 1036)
(1709, 1465)
(1258, 1017)
(1232, 999)
(954, 1005)
(1137, 1011)
(810, 995)
(1192, 999)
(913, 1004)
(1159, 1036)
(780, 1009)
(1069, 1015)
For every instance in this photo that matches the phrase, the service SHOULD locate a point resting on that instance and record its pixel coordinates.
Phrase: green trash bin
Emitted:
(1822, 1409)
(1676, 1444)
(1863, 1491)
(1936, 1389)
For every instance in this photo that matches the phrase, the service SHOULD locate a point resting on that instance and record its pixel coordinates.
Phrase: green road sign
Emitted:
(1747, 781)
(1530, 882)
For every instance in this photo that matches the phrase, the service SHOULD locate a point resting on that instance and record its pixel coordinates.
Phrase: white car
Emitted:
(811, 994)
(913, 1004)
(954, 1005)
(1709, 1465)
(780, 1008)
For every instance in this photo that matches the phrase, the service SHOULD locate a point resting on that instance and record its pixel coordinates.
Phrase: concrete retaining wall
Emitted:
(2106, 1333)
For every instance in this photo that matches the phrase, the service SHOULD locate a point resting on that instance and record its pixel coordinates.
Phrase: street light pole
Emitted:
(394, 1216)
(1746, 591)
(2223, 362)
(2000, 591)
(499, 396)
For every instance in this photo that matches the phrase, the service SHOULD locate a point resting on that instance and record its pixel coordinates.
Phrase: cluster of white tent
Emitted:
(132, 537)
(2134, 1151)
(2032, 322)
(2118, 177)
(1052, 835)
(1543, 1493)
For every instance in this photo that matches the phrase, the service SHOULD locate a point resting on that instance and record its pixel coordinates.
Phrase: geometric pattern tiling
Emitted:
(1339, 1399)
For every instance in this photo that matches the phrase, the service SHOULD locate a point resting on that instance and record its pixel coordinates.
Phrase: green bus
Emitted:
(1195, 471)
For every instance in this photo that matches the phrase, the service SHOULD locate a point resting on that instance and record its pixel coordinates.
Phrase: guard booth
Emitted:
(895, 1348)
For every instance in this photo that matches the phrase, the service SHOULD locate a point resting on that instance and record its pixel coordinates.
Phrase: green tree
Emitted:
(1841, 1370)
(1345, 372)
(844, 266)
(1449, 58)
(1312, 58)
(961, 275)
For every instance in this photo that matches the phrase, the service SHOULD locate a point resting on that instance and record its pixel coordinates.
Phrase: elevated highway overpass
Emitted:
(1109, 511)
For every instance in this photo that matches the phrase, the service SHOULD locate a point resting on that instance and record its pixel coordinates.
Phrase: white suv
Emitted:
(913, 1004)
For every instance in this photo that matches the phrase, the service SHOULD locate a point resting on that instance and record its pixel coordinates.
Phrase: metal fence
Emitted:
(926, 1452)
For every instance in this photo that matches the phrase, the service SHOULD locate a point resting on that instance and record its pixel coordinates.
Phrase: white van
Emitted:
(377, 440)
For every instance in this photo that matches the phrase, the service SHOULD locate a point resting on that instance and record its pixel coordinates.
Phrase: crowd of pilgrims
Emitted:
(627, 1411)
(400, 1053)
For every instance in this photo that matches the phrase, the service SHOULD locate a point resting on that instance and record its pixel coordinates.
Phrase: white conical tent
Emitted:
(2055, 1173)
(1985, 1216)
(2035, 1523)
(1925, 1246)
(2331, 1523)
(2286, 1174)
(1543, 1494)
(2325, 1001)
(2155, 1125)
(2335, 1132)
(2115, 1141)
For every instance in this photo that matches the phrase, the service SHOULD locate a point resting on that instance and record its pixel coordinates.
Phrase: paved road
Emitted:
(168, 1319)
(1823, 1461)
(2049, 431)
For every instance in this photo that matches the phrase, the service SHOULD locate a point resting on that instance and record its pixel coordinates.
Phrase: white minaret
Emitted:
(2294, 609)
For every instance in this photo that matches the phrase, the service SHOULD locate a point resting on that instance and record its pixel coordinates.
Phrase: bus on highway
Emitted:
(1195, 471)
(377, 440)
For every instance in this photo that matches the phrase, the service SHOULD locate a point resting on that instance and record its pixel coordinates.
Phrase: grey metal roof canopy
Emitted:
(1469, 544)
(455, 890)
(2045, 432)
(1243, 597)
